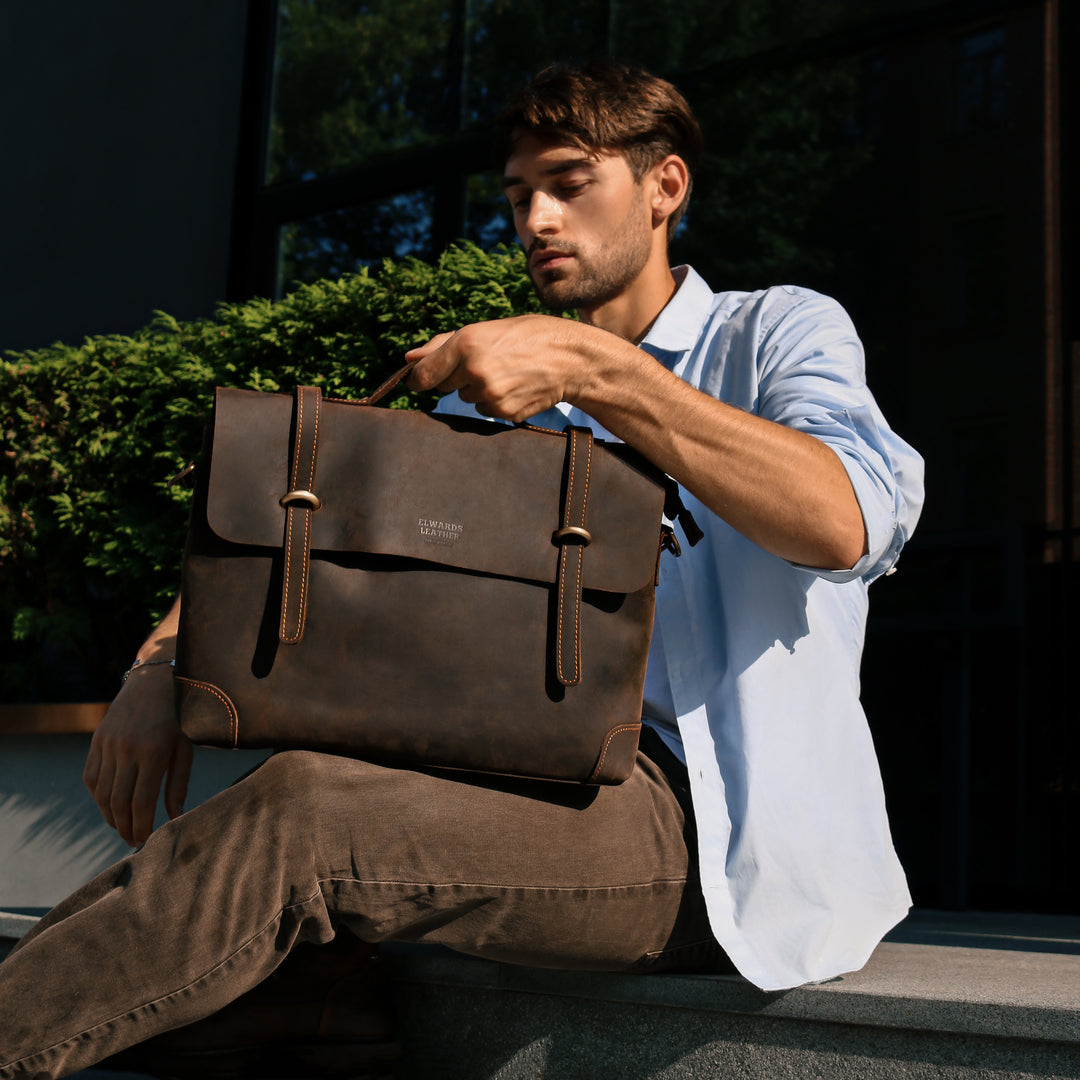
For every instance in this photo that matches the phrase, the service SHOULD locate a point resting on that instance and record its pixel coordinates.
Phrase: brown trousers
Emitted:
(522, 871)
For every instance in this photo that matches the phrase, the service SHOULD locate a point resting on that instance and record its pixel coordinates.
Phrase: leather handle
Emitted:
(380, 392)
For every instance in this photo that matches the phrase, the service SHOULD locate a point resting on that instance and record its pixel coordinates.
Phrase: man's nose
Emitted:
(545, 214)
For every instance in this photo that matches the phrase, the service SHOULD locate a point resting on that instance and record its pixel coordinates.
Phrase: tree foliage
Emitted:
(90, 530)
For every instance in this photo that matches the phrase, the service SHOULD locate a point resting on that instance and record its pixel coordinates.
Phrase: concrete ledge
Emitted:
(968, 992)
(983, 930)
(13, 925)
(1005, 1002)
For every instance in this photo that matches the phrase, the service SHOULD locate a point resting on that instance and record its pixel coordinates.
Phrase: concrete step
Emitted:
(945, 996)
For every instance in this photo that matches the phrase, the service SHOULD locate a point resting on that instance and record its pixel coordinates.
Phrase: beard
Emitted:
(596, 278)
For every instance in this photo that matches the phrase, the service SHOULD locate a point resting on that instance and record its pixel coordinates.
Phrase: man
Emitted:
(752, 829)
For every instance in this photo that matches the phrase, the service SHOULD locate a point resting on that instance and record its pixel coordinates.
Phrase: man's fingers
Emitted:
(131, 751)
(120, 797)
(92, 768)
(102, 789)
(176, 780)
(125, 787)
(142, 804)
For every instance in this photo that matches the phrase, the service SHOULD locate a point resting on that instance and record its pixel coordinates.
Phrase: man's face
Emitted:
(582, 220)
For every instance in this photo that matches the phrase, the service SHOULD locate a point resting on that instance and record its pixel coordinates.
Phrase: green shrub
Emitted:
(90, 530)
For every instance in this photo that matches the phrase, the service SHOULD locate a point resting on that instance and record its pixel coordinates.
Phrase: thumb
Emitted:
(435, 363)
(420, 351)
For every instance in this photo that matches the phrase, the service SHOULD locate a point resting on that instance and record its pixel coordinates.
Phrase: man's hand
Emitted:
(137, 745)
(509, 368)
(780, 487)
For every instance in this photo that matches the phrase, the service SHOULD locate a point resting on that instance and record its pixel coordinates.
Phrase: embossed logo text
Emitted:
(445, 533)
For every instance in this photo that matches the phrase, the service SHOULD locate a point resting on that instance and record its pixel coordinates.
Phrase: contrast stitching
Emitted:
(314, 444)
(302, 606)
(581, 563)
(563, 554)
(230, 708)
(578, 556)
(299, 434)
(283, 630)
(607, 743)
(501, 885)
(308, 514)
(288, 634)
(288, 565)
(559, 626)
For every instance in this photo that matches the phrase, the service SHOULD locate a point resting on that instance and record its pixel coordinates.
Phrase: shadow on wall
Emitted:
(52, 836)
(49, 846)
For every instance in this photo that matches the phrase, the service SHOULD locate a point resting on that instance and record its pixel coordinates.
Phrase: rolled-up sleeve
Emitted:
(812, 378)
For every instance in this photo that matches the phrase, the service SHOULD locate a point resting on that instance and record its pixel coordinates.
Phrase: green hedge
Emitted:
(91, 532)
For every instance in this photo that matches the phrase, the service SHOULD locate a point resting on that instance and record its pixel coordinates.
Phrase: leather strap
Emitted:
(675, 509)
(378, 394)
(300, 502)
(572, 539)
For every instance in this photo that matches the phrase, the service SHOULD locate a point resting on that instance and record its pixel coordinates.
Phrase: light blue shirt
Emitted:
(762, 656)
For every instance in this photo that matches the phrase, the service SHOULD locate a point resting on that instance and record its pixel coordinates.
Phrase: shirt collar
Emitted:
(678, 327)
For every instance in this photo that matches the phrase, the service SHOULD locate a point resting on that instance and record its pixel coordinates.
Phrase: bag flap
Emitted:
(452, 490)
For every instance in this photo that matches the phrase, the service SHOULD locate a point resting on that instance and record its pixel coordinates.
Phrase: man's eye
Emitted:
(574, 188)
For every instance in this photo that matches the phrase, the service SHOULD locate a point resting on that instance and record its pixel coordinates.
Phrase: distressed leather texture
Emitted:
(425, 613)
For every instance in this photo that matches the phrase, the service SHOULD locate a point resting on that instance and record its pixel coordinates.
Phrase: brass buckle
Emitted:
(669, 541)
(572, 532)
(306, 498)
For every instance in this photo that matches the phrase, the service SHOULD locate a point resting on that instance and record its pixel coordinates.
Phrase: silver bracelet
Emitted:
(144, 663)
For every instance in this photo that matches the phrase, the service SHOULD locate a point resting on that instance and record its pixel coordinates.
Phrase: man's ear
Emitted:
(670, 179)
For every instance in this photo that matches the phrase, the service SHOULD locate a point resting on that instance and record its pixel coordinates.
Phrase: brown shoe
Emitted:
(326, 1011)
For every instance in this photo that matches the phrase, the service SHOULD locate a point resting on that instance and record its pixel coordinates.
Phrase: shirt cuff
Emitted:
(879, 517)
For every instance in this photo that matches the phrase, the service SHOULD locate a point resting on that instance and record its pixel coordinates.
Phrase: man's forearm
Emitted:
(781, 488)
(160, 643)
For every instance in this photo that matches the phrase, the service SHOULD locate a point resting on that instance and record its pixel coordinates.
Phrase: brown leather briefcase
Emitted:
(416, 589)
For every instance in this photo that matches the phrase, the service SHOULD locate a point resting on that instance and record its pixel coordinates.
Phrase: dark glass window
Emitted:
(863, 125)
(509, 41)
(357, 81)
(487, 215)
(977, 266)
(375, 101)
(354, 82)
(979, 82)
(341, 241)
